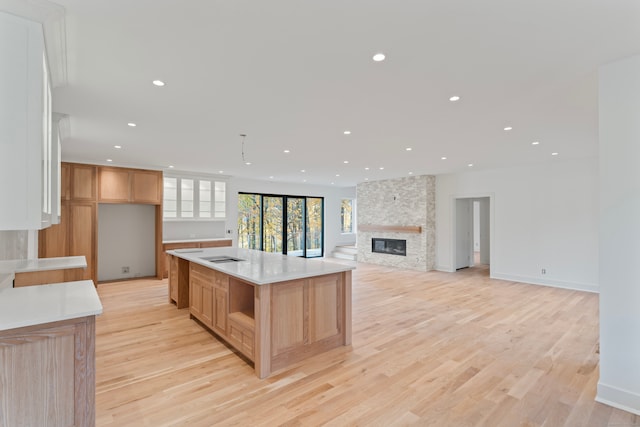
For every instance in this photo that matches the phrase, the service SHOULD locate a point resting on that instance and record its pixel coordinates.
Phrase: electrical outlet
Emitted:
(125, 270)
(544, 271)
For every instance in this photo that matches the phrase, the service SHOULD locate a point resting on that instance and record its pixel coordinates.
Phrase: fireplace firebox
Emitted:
(389, 246)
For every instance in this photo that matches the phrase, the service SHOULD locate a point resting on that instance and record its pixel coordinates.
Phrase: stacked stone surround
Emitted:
(405, 202)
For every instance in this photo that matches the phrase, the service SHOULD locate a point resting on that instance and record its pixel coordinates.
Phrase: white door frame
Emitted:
(492, 228)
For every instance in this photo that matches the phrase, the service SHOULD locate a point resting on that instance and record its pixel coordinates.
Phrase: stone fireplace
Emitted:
(400, 209)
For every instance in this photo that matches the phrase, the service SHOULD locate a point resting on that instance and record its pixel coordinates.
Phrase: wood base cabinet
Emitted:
(47, 374)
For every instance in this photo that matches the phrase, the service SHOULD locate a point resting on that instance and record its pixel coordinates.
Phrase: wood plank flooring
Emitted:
(429, 349)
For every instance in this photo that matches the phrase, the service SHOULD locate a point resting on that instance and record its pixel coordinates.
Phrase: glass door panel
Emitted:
(249, 221)
(272, 224)
(295, 226)
(314, 227)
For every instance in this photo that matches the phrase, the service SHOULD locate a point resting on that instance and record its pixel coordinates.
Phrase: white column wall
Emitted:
(619, 105)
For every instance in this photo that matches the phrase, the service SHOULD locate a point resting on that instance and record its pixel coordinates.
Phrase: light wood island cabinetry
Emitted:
(275, 310)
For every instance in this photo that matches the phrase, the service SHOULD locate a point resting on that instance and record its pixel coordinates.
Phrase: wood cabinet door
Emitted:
(65, 173)
(221, 311)
(146, 187)
(83, 182)
(82, 234)
(113, 185)
(195, 299)
(207, 304)
(54, 241)
(325, 307)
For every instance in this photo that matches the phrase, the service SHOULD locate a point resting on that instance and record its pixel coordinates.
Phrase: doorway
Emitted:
(472, 240)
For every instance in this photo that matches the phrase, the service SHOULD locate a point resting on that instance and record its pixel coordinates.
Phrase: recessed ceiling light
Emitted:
(304, 180)
(366, 169)
(170, 166)
(535, 143)
(366, 179)
(470, 165)
(271, 177)
(337, 174)
(130, 124)
(248, 163)
(346, 162)
(410, 173)
(554, 154)
(381, 167)
(443, 158)
(302, 170)
(378, 57)
(408, 148)
(508, 128)
(109, 160)
(454, 98)
(332, 183)
(287, 151)
(117, 146)
(158, 82)
(220, 171)
(347, 132)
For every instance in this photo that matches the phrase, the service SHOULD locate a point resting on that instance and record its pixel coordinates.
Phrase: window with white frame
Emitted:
(189, 197)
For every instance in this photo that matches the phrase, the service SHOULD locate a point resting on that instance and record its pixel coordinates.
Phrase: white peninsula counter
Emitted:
(47, 354)
(274, 309)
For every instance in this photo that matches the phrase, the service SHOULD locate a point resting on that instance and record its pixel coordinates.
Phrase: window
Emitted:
(346, 216)
(193, 198)
(291, 225)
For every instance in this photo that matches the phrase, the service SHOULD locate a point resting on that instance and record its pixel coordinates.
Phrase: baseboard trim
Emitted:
(586, 287)
(618, 398)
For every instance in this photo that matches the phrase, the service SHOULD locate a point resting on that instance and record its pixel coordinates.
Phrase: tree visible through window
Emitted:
(346, 216)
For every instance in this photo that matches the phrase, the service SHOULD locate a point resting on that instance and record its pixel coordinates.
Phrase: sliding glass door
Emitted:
(295, 226)
(272, 220)
(291, 225)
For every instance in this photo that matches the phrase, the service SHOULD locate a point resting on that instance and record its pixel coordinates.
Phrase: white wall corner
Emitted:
(618, 398)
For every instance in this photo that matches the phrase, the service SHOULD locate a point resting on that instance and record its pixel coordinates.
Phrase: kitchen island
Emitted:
(274, 309)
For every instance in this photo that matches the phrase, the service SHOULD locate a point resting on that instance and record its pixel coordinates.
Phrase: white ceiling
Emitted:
(295, 74)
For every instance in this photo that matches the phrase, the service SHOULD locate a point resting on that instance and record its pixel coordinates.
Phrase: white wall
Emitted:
(202, 229)
(332, 200)
(619, 125)
(126, 237)
(543, 216)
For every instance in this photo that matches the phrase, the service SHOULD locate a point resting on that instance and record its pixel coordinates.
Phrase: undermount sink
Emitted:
(221, 258)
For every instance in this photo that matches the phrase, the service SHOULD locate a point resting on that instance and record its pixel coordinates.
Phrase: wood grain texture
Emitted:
(391, 228)
(428, 349)
(47, 374)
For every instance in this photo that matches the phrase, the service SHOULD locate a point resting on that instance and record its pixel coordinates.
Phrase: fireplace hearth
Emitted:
(389, 246)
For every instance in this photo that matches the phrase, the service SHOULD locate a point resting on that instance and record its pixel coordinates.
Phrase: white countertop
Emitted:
(195, 240)
(262, 267)
(35, 305)
(42, 264)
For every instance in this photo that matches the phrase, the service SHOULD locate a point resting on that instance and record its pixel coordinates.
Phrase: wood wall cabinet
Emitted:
(47, 374)
(82, 188)
(122, 185)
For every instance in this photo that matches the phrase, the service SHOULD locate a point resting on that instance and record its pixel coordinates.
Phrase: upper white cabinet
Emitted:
(29, 173)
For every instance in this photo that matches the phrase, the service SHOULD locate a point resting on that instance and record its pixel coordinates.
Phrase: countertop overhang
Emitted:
(260, 267)
(36, 305)
(42, 264)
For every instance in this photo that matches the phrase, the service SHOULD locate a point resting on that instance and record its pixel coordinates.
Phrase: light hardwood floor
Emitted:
(429, 349)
